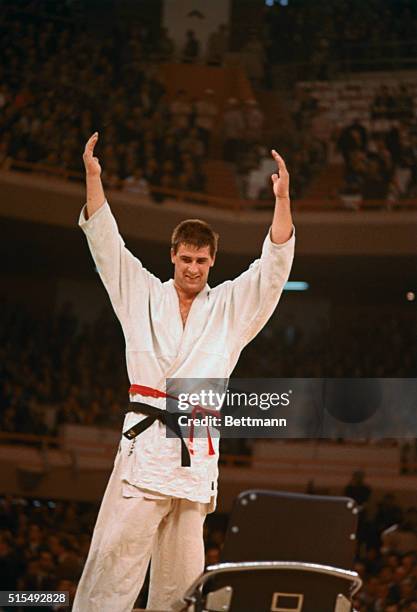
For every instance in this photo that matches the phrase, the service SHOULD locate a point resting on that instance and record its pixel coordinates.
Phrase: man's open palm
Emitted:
(91, 163)
(280, 181)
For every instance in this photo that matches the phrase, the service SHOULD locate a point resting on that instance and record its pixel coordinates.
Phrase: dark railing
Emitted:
(324, 203)
(29, 439)
(226, 459)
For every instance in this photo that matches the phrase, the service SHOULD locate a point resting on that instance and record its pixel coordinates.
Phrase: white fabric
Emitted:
(260, 177)
(220, 323)
(129, 490)
(126, 534)
(136, 185)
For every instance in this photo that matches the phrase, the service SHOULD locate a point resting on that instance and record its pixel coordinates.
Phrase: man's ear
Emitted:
(172, 256)
(213, 260)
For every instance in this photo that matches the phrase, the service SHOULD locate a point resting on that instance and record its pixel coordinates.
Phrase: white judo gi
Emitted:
(153, 505)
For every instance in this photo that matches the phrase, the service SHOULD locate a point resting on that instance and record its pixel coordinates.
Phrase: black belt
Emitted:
(169, 419)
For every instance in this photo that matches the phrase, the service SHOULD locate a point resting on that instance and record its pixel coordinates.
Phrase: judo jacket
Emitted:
(221, 321)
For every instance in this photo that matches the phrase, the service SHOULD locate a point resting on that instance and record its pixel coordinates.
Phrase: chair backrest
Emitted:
(272, 586)
(273, 525)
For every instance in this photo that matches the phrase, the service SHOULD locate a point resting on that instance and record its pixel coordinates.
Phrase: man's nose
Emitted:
(193, 267)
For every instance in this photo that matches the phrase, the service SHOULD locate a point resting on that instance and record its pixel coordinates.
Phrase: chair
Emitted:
(279, 526)
(271, 586)
(283, 552)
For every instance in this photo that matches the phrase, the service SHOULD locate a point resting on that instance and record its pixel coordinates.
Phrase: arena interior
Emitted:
(188, 99)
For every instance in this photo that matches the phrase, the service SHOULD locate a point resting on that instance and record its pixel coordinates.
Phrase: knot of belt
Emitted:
(169, 419)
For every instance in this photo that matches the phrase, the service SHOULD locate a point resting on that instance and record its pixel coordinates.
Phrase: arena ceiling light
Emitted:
(296, 286)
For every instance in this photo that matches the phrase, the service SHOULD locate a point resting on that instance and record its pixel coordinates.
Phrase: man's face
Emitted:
(192, 266)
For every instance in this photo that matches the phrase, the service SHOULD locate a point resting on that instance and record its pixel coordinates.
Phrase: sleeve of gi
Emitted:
(121, 272)
(255, 293)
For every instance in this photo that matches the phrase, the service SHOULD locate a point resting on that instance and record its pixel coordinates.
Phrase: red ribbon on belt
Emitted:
(196, 410)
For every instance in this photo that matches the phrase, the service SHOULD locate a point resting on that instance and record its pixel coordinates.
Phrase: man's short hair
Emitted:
(195, 232)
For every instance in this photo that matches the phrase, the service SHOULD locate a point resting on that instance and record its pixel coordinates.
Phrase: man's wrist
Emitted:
(282, 200)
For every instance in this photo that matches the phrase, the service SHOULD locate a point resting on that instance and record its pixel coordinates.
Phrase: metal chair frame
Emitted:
(194, 599)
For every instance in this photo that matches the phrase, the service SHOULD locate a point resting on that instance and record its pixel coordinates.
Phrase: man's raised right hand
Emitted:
(91, 163)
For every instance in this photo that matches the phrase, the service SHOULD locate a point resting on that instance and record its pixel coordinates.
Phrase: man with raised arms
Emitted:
(161, 488)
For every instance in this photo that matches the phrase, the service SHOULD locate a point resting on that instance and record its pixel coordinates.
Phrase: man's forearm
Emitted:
(95, 193)
(282, 222)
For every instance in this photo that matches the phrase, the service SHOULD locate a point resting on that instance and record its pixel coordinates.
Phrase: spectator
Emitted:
(357, 489)
(254, 121)
(306, 107)
(217, 46)
(402, 538)
(191, 49)
(375, 184)
(206, 112)
(398, 576)
(352, 138)
(9, 567)
(407, 593)
(190, 179)
(382, 597)
(180, 111)
(253, 60)
(403, 103)
(152, 172)
(405, 160)
(258, 178)
(234, 125)
(136, 183)
(387, 514)
(193, 145)
(165, 46)
(322, 130)
(68, 563)
(383, 104)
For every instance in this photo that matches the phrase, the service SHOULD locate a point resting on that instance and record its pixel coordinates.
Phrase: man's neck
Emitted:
(185, 301)
(184, 296)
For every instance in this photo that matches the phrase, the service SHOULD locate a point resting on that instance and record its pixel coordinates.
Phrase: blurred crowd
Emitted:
(379, 155)
(54, 370)
(315, 33)
(386, 552)
(381, 164)
(367, 345)
(59, 84)
(44, 544)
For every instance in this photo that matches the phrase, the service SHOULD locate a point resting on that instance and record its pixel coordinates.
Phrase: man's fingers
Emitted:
(280, 162)
(91, 143)
(277, 157)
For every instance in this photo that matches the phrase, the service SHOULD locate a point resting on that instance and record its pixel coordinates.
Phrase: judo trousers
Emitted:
(128, 532)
